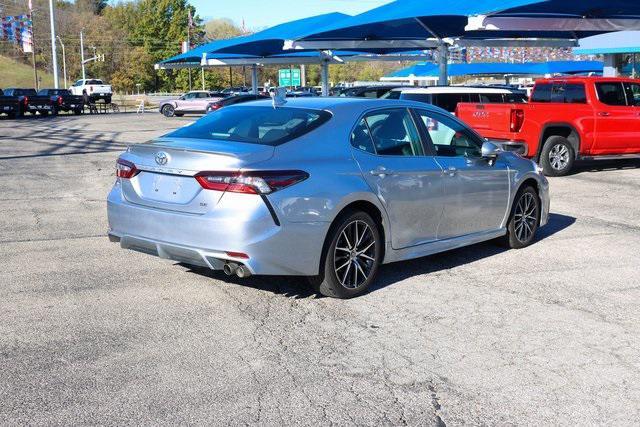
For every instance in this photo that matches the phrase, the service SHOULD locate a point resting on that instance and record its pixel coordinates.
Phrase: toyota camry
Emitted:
(328, 188)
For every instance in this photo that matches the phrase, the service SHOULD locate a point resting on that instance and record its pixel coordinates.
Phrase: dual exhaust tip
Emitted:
(231, 268)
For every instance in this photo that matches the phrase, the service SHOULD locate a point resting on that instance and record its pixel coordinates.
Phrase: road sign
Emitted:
(287, 77)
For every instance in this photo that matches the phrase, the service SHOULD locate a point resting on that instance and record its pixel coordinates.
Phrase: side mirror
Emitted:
(490, 150)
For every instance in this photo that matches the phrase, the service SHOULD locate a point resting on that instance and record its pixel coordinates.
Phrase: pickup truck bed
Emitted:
(567, 119)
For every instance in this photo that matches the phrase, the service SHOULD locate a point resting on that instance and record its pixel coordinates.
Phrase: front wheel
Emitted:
(557, 156)
(351, 257)
(168, 111)
(525, 219)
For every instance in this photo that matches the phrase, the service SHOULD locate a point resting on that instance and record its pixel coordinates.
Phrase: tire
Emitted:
(54, 111)
(557, 156)
(107, 100)
(524, 220)
(343, 273)
(77, 111)
(11, 115)
(168, 111)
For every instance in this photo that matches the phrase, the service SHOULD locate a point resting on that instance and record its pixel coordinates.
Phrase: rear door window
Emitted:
(574, 93)
(255, 125)
(449, 138)
(542, 93)
(419, 97)
(491, 98)
(394, 133)
(449, 101)
(633, 93)
(611, 93)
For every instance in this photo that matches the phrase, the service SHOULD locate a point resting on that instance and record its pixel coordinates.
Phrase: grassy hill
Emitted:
(14, 74)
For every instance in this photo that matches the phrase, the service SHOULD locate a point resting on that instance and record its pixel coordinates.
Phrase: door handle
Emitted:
(451, 171)
(381, 171)
(604, 114)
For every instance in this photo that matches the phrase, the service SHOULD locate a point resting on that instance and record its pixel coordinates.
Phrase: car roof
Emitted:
(332, 103)
(584, 79)
(457, 89)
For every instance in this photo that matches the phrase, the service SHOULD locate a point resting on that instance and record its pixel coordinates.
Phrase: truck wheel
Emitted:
(351, 257)
(11, 115)
(77, 111)
(557, 156)
(168, 111)
(524, 220)
(107, 100)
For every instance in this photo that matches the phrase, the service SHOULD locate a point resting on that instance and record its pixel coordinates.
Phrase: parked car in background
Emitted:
(567, 119)
(236, 90)
(95, 88)
(63, 100)
(30, 101)
(192, 102)
(10, 105)
(372, 92)
(448, 97)
(328, 188)
(233, 100)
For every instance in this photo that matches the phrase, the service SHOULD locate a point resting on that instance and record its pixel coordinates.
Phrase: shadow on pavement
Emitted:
(297, 287)
(585, 166)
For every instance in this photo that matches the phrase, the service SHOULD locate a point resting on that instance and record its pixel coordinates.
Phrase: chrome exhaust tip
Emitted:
(230, 268)
(242, 272)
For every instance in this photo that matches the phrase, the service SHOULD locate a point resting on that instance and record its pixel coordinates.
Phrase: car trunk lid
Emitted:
(167, 168)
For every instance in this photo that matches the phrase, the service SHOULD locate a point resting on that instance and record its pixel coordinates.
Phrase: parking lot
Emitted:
(92, 334)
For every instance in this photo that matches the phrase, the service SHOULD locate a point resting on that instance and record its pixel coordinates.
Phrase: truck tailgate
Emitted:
(487, 119)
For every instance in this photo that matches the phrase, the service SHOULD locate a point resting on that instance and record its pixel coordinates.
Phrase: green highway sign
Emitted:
(289, 77)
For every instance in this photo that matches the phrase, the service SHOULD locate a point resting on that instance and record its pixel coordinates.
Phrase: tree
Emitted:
(221, 29)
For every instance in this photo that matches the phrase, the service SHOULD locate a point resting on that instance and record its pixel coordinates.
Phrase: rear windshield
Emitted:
(255, 125)
(94, 82)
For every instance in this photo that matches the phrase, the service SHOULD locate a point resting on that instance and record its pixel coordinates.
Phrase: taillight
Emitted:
(125, 169)
(251, 182)
(214, 107)
(517, 120)
(59, 100)
(26, 100)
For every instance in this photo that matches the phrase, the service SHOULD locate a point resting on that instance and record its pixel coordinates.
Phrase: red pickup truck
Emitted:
(566, 119)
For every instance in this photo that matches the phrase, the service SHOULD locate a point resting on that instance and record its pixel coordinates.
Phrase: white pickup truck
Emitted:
(95, 88)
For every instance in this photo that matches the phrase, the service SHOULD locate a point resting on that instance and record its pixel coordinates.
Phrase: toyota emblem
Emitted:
(162, 158)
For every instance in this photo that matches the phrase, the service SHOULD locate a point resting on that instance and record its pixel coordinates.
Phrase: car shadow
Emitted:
(389, 274)
(586, 166)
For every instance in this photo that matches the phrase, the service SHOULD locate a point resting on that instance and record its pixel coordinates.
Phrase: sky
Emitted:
(259, 14)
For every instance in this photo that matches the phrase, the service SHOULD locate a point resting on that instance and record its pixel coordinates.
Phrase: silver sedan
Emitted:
(328, 188)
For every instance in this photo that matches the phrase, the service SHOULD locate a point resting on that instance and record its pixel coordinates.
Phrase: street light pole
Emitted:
(64, 63)
(54, 56)
(84, 76)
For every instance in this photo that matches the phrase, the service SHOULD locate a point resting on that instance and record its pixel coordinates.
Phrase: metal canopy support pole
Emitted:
(443, 62)
(324, 76)
(54, 55)
(610, 65)
(64, 63)
(202, 74)
(254, 79)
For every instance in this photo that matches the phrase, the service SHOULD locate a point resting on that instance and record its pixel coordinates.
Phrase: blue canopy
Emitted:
(260, 44)
(428, 69)
(414, 20)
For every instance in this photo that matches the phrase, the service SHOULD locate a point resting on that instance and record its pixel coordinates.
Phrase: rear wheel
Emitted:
(525, 219)
(168, 111)
(107, 100)
(351, 257)
(77, 111)
(557, 156)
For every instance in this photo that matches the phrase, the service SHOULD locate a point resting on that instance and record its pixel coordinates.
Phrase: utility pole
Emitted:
(64, 63)
(84, 75)
(189, 23)
(54, 56)
(33, 52)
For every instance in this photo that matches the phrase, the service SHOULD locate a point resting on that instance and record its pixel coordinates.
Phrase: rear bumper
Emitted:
(204, 240)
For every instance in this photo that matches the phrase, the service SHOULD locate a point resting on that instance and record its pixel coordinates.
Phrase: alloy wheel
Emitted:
(355, 253)
(525, 217)
(559, 157)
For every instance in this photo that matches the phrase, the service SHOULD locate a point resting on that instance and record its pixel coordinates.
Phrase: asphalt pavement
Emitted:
(93, 334)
